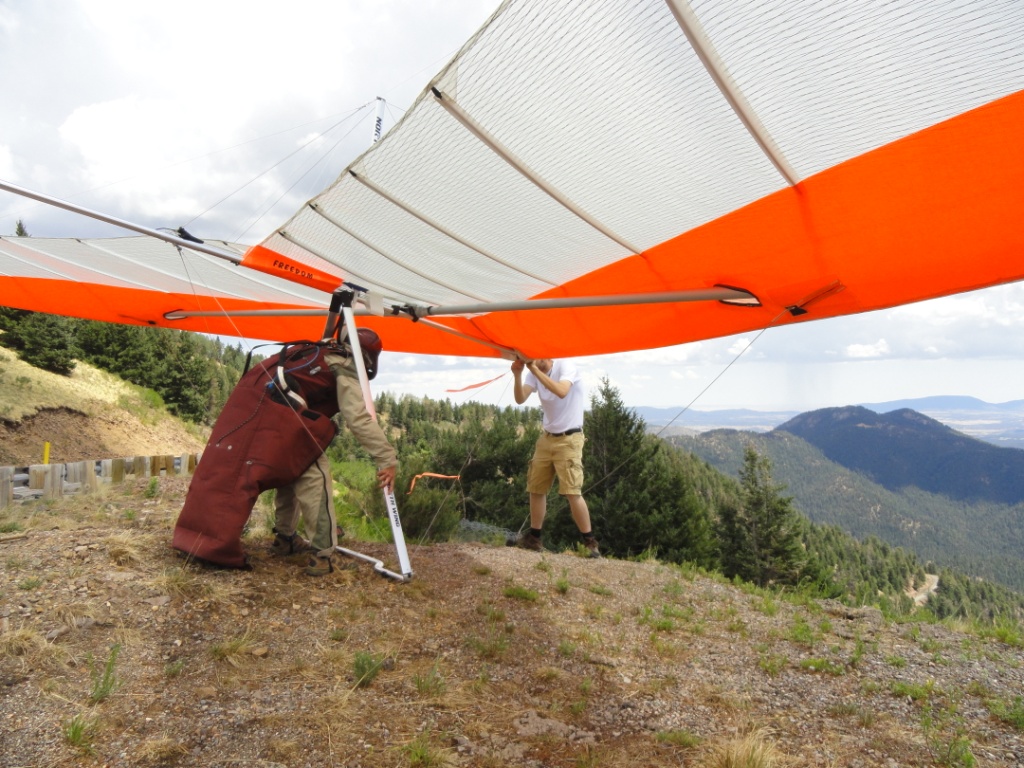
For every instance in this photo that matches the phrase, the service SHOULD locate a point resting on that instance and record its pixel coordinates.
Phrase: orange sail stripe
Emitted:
(933, 214)
(136, 306)
(272, 263)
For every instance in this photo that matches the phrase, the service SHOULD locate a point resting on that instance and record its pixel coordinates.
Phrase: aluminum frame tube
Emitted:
(389, 493)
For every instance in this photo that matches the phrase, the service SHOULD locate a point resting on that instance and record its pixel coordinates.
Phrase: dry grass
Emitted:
(87, 415)
(238, 650)
(753, 750)
(283, 751)
(77, 614)
(127, 548)
(25, 390)
(192, 583)
(160, 751)
(22, 642)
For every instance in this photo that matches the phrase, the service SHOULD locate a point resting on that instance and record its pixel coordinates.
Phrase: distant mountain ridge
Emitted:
(904, 448)
(947, 403)
(1000, 424)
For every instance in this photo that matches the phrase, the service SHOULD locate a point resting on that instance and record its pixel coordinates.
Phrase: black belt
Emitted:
(563, 434)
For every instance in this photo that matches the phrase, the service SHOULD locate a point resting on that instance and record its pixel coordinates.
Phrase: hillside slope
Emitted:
(87, 415)
(983, 539)
(115, 651)
(906, 448)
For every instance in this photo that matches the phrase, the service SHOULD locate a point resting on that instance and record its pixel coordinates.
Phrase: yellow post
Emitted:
(46, 453)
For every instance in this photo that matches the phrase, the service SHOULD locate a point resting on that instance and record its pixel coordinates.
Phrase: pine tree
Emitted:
(614, 456)
(641, 494)
(186, 376)
(45, 341)
(766, 546)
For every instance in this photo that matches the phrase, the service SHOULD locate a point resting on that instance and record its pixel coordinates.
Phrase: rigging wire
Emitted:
(264, 172)
(321, 160)
(72, 196)
(388, 106)
(695, 398)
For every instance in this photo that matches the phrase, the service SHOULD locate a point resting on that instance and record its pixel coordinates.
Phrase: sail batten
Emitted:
(362, 179)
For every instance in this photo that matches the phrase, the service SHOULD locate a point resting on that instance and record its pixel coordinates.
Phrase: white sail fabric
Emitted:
(610, 104)
(144, 264)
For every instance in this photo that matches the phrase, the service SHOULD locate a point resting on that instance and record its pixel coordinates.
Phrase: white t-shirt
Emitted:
(560, 413)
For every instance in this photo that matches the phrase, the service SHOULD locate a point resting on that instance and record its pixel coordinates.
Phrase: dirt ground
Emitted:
(90, 414)
(76, 436)
(115, 651)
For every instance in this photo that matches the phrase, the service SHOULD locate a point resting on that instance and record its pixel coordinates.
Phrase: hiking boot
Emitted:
(590, 545)
(284, 546)
(318, 566)
(529, 541)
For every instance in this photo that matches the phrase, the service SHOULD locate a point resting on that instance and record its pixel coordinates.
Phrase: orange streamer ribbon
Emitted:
(474, 386)
(429, 474)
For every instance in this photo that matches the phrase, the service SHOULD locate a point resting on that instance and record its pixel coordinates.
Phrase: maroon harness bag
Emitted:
(264, 438)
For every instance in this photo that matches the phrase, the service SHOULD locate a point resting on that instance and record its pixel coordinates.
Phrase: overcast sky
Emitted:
(224, 117)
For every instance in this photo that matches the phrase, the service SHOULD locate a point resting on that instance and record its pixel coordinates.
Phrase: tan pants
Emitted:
(561, 456)
(310, 498)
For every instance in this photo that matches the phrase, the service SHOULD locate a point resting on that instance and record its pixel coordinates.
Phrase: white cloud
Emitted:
(879, 349)
(664, 356)
(9, 22)
(684, 375)
(168, 108)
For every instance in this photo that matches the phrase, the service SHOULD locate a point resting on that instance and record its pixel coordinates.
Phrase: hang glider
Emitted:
(717, 166)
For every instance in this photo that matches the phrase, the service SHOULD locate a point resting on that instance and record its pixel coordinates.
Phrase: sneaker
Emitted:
(529, 541)
(590, 545)
(318, 566)
(288, 545)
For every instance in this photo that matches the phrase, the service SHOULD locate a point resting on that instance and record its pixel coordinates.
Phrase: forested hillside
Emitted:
(192, 374)
(982, 539)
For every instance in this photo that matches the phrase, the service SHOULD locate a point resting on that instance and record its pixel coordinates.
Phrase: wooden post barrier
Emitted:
(89, 481)
(81, 476)
(6, 486)
(53, 481)
(73, 474)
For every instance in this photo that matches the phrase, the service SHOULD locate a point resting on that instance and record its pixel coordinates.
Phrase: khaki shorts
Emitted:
(562, 456)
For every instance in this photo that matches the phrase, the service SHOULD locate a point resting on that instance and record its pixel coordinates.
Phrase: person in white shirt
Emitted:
(559, 449)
